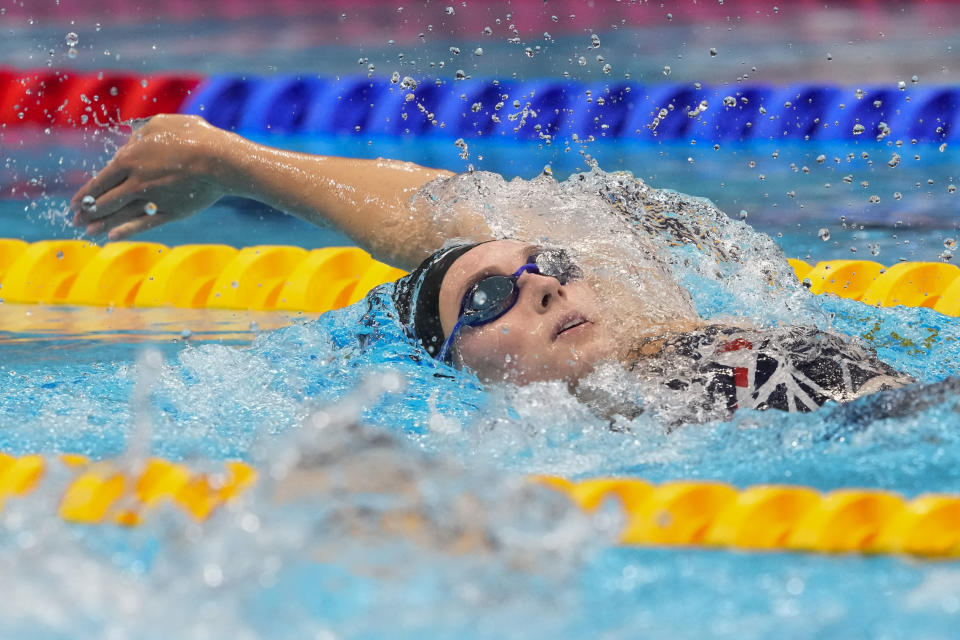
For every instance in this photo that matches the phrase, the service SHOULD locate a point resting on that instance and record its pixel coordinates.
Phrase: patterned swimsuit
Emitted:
(719, 369)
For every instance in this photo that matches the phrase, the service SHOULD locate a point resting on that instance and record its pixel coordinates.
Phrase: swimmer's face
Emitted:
(535, 339)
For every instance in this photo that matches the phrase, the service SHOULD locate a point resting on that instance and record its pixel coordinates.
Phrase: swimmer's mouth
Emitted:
(569, 324)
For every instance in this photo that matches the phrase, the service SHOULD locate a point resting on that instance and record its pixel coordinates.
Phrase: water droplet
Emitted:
(824, 234)
(858, 129)
(72, 39)
(667, 70)
(150, 209)
(902, 85)
(942, 147)
(946, 256)
(848, 179)
(821, 159)
(951, 188)
(897, 195)
(874, 249)
(713, 51)
(669, 16)
(915, 79)
(478, 51)
(212, 575)
(186, 333)
(729, 101)
(874, 199)
(743, 214)
(71, 53)
(607, 68)
(59, 255)
(853, 249)
(950, 243)
(894, 160)
(450, 11)
(829, 56)
(88, 203)
(487, 31)
(455, 50)
(594, 40)
(479, 298)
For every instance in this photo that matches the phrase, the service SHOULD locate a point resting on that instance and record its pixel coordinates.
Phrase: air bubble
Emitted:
(950, 243)
(666, 70)
(594, 40)
(72, 39)
(743, 214)
(729, 101)
(897, 195)
(858, 129)
(824, 234)
(88, 203)
(150, 209)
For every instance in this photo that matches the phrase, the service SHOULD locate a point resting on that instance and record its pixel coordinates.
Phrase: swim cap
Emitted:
(417, 297)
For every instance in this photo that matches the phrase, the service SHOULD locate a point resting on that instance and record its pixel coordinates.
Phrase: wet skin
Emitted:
(553, 331)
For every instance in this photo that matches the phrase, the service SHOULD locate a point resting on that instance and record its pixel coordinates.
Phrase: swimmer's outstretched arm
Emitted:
(183, 165)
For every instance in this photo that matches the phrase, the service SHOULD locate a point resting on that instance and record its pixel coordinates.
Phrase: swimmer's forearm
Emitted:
(369, 200)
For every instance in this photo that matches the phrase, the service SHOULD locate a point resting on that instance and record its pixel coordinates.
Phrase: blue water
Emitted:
(329, 559)
(384, 542)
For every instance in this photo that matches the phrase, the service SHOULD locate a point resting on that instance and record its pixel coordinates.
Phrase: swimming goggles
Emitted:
(494, 296)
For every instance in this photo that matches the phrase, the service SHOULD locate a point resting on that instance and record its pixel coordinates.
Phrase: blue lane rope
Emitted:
(534, 110)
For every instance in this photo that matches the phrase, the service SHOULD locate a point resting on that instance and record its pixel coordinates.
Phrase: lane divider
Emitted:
(935, 285)
(83, 99)
(507, 110)
(267, 277)
(681, 513)
(774, 517)
(100, 492)
(146, 274)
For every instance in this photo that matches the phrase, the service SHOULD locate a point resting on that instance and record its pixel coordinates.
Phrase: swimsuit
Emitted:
(719, 369)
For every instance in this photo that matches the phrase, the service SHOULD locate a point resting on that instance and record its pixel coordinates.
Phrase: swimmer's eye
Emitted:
(556, 263)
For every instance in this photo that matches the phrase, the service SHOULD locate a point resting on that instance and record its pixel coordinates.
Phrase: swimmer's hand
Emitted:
(164, 172)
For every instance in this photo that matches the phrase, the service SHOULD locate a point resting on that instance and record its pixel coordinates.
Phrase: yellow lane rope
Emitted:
(681, 513)
(147, 274)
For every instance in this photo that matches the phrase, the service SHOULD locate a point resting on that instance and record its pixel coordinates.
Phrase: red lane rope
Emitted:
(67, 98)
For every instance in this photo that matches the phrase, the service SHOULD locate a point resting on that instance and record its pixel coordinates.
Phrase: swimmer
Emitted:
(510, 309)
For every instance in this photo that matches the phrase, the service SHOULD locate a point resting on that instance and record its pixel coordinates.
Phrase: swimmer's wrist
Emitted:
(223, 160)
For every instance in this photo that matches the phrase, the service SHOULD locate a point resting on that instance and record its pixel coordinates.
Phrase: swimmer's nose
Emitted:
(539, 290)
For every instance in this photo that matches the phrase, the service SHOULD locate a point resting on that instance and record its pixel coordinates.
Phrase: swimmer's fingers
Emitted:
(113, 202)
(128, 212)
(111, 177)
(139, 225)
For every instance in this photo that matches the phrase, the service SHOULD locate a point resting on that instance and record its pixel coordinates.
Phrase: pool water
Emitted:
(420, 522)
(392, 501)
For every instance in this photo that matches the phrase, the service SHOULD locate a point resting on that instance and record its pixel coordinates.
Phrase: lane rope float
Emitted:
(269, 277)
(471, 108)
(680, 513)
